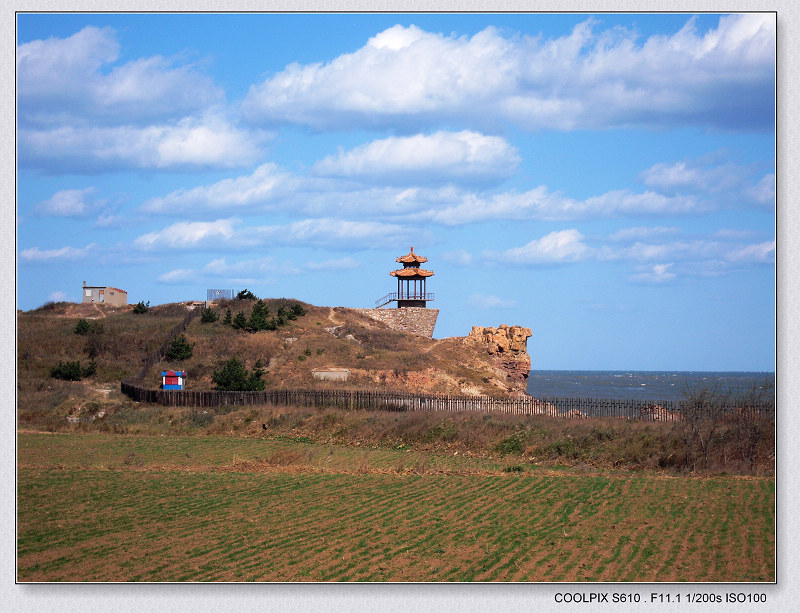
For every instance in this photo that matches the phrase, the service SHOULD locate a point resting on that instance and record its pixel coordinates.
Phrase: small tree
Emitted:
(208, 316)
(141, 307)
(179, 349)
(233, 376)
(258, 316)
(240, 321)
(228, 320)
(82, 327)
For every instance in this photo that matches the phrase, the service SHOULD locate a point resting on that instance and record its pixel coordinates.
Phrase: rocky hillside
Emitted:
(491, 361)
(376, 356)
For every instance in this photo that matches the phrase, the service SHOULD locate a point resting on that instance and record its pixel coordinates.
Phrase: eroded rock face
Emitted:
(508, 347)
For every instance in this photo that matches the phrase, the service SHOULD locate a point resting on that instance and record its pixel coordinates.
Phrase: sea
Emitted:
(640, 385)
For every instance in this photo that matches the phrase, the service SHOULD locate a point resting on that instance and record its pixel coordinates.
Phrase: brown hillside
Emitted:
(376, 356)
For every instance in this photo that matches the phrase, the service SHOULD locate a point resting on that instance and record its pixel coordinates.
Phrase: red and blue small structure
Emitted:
(173, 379)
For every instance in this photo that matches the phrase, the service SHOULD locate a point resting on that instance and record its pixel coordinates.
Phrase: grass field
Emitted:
(102, 507)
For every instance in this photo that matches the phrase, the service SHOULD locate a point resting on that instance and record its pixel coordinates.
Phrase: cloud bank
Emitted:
(588, 79)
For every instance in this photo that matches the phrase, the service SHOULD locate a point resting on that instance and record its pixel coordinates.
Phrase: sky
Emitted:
(607, 180)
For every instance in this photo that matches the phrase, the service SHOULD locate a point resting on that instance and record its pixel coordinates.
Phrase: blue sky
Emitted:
(607, 180)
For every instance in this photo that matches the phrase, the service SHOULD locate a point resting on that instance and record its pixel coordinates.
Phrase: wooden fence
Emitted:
(666, 410)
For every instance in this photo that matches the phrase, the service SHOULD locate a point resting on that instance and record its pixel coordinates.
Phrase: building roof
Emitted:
(116, 289)
(412, 272)
(412, 257)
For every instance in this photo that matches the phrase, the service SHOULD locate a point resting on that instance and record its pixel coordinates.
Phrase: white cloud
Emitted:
(754, 253)
(656, 274)
(462, 157)
(539, 203)
(179, 276)
(336, 233)
(586, 79)
(561, 246)
(231, 234)
(481, 301)
(68, 254)
(764, 191)
(70, 203)
(75, 80)
(720, 253)
(246, 192)
(641, 233)
(202, 142)
(738, 185)
(188, 235)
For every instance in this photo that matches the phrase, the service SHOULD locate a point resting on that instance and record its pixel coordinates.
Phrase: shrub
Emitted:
(82, 327)
(510, 444)
(233, 376)
(141, 307)
(201, 419)
(208, 316)
(179, 349)
(72, 371)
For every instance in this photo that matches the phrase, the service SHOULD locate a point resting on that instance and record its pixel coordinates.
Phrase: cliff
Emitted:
(507, 346)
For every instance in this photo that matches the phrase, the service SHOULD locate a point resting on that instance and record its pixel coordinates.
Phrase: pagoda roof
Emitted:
(412, 257)
(412, 272)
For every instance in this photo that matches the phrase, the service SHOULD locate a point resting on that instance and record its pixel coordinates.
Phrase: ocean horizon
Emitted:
(640, 384)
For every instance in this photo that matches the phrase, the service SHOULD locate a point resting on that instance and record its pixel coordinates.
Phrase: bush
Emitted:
(208, 316)
(82, 327)
(141, 307)
(233, 376)
(201, 420)
(179, 349)
(72, 371)
(510, 444)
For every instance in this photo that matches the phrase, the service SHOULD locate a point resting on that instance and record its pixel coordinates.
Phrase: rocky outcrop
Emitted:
(508, 347)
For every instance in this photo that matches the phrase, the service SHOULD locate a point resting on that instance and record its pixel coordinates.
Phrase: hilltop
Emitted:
(491, 361)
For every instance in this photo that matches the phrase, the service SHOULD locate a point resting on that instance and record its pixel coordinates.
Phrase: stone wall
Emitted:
(414, 320)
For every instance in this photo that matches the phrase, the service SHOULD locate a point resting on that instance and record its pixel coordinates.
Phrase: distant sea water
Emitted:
(637, 384)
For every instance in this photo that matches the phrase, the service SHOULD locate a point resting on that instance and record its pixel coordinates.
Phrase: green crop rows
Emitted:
(83, 516)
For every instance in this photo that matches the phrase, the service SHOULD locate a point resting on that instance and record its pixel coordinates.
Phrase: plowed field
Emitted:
(105, 508)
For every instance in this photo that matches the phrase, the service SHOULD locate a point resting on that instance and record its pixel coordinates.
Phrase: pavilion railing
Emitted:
(404, 296)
